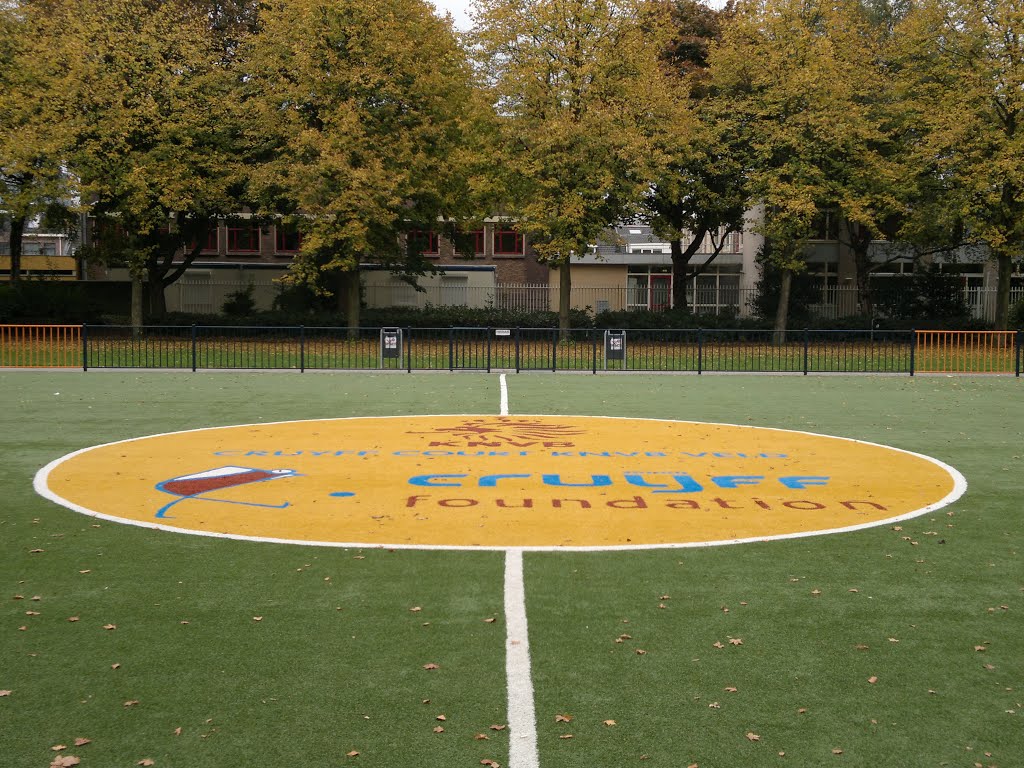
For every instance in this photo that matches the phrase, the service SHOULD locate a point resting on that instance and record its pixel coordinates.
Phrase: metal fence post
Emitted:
(517, 349)
(408, 350)
(593, 356)
(193, 347)
(554, 348)
(85, 347)
(451, 348)
(1018, 339)
(806, 344)
(302, 349)
(913, 348)
(488, 332)
(700, 351)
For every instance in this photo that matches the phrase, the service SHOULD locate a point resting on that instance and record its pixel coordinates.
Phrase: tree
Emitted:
(32, 181)
(807, 81)
(361, 117)
(584, 100)
(961, 66)
(702, 191)
(150, 138)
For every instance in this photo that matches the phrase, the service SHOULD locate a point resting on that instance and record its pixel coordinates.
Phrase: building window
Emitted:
(209, 240)
(424, 242)
(508, 242)
(649, 288)
(244, 238)
(478, 240)
(288, 238)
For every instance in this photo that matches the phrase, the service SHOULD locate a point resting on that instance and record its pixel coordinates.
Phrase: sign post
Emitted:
(390, 345)
(614, 347)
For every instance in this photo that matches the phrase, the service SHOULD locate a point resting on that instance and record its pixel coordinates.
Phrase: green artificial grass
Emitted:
(336, 662)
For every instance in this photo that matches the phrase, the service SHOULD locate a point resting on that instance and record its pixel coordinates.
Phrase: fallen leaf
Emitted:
(438, 729)
(36, 598)
(873, 679)
(442, 718)
(108, 627)
(717, 644)
(131, 702)
(861, 647)
(498, 727)
(257, 618)
(64, 761)
(490, 763)
(853, 590)
(753, 736)
(714, 705)
(837, 751)
(731, 689)
(35, 551)
(415, 609)
(85, 571)
(72, 619)
(5, 693)
(146, 761)
(490, 620)
(802, 710)
(815, 592)
(32, 613)
(563, 718)
(609, 723)
(177, 731)
(431, 666)
(735, 641)
(566, 736)
(59, 747)
(353, 753)
(640, 651)
(979, 647)
(115, 666)
(482, 737)
(665, 597)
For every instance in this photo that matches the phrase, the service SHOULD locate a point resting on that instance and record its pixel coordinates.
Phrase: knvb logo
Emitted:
(504, 432)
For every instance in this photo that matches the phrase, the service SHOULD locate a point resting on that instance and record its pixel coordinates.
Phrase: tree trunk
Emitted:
(136, 309)
(349, 300)
(17, 229)
(679, 264)
(1004, 271)
(564, 299)
(782, 312)
(156, 300)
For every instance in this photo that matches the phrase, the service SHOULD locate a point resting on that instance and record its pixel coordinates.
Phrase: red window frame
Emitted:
(427, 237)
(287, 238)
(211, 243)
(250, 243)
(501, 242)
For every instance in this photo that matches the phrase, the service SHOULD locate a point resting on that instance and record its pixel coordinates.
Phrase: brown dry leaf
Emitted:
(64, 761)
(36, 598)
(717, 644)
(353, 753)
(665, 597)
(415, 609)
(860, 647)
(490, 620)
(735, 641)
(873, 679)
(979, 647)
(115, 666)
(442, 718)
(438, 729)
(85, 571)
(177, 731)
(18, 597)
(5, 693)
(131, 702)
(257, 618)
(837, 751)
(146, 761)
(59, 747)
(640, 651)
(490, 763)
(431, 665)
(35, 551)
(714, 705)
(108, 627)
(563, 718)
(731, 688)
(32, 613)
(752, 736)
(498, 727)
(815, 592)
(609, 723)
(987, 666)
(482, 737)
(662, 606)
(566, 736)
(853, 590)
(802, 711)
(73, 619)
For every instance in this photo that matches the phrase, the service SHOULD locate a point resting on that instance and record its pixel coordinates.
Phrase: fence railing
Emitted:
(513, 349)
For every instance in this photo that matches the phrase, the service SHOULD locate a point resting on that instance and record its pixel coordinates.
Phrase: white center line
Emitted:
(522, 717)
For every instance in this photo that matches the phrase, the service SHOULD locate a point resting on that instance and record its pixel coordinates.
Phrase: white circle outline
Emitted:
(42, 488)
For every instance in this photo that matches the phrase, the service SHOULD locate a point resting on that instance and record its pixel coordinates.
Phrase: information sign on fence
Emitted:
(390, 344)
(614, 346)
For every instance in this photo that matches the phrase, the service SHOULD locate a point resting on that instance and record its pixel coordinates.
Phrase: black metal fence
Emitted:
(509, 349)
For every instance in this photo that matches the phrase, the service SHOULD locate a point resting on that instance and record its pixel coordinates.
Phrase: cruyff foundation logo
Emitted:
(504, 432)
(197, 485)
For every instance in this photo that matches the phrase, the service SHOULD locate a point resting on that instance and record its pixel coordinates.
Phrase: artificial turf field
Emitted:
(335, 664)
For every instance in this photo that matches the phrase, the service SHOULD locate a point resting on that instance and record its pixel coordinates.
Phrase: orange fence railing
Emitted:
(966, 352)
(40, 346)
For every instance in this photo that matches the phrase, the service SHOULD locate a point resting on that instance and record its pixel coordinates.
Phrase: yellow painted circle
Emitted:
(500, 482)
